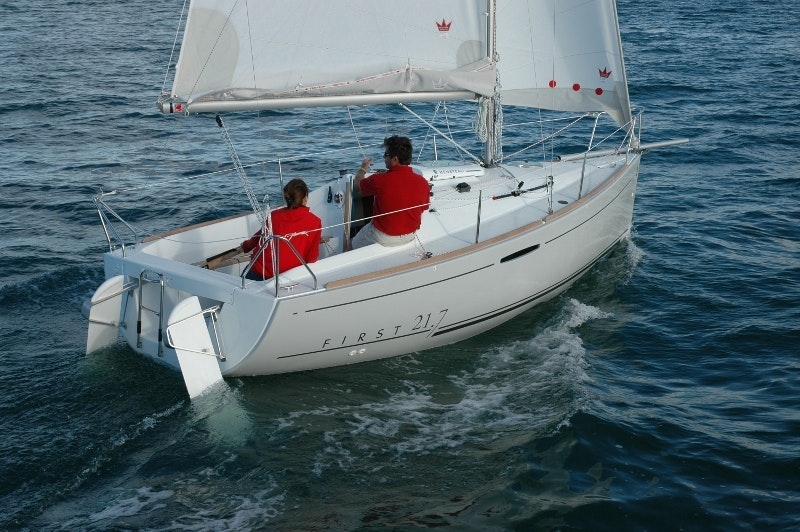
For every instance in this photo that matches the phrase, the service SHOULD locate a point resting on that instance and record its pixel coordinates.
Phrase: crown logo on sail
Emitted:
(605, 73)
(444, 26)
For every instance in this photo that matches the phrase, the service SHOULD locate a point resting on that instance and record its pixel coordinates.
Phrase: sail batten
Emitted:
(551, 54)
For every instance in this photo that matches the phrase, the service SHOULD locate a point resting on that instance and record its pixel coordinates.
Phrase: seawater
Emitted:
(659, 393)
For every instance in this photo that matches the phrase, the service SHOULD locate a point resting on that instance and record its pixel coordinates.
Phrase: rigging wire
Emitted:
(240, 171)
(250, 37)
(211, 51)
(174, 47)
(544, 140)
(439, 105)
(440, 132)
(355, 133)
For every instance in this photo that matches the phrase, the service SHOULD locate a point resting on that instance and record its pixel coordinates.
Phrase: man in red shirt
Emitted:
(298, 224)
(400, 196)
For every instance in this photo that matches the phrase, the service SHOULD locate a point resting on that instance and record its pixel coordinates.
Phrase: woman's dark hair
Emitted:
(399, 147)
(294, 193)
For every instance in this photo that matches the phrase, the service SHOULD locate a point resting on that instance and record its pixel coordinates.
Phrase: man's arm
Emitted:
(361, 173)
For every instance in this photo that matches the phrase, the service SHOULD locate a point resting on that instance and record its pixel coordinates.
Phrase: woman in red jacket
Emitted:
(297, 224)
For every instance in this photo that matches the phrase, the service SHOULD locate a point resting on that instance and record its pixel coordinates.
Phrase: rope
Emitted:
(498, 126)
(482, 122)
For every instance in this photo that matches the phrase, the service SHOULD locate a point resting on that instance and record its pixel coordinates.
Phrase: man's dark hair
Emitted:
(400, 147)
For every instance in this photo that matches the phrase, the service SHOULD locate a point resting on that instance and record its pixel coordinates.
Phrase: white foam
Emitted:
(512, 392)
(580, 313)
(259, 507)
(145, 498)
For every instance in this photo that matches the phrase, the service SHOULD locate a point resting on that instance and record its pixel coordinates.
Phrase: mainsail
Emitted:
(550, 54)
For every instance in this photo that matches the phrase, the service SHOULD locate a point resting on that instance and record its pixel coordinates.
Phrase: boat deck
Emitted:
(469, 204)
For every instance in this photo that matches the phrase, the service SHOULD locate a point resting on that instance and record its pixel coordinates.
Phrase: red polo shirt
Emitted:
(394, 190)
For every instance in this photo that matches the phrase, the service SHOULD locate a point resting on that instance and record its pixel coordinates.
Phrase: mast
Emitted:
(490, 110)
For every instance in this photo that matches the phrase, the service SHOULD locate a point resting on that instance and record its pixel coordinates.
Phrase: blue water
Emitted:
(662, 392)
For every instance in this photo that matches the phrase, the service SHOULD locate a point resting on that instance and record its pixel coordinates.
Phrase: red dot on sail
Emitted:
(576, 87)
(598, 91)
(552, 84)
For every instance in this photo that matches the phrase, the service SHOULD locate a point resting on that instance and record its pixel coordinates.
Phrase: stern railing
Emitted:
(107, 215)
(276, 260)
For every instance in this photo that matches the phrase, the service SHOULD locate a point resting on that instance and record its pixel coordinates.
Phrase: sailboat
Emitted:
(503, 232)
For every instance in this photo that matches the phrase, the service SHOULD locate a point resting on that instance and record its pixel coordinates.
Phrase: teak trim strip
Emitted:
(450, 255)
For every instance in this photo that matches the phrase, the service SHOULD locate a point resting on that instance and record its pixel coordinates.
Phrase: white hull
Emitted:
(374, 302)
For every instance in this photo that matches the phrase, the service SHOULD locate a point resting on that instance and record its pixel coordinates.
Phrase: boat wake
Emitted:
(509, 395)
(266, 437)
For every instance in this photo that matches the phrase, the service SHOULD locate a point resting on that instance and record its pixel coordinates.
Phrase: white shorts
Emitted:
(370, 235)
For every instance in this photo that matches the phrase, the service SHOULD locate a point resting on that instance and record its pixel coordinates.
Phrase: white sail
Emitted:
(289, 49)
(552, 54)
(564, 55)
